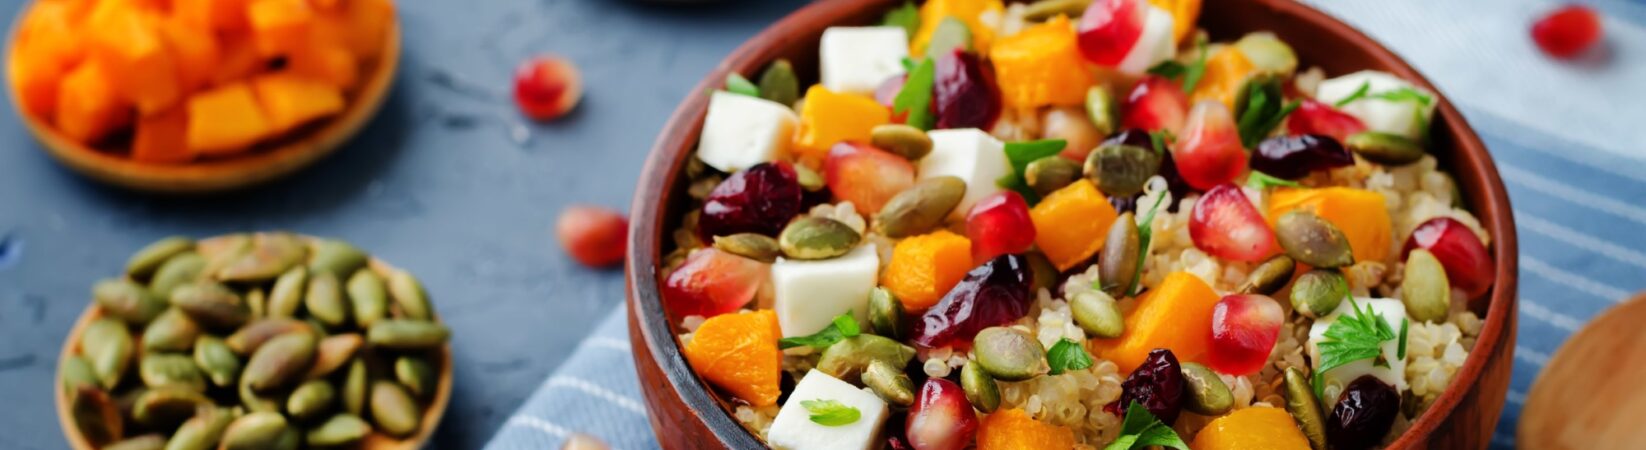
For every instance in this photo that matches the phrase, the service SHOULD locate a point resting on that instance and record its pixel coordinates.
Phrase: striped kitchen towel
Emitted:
(1567, 136)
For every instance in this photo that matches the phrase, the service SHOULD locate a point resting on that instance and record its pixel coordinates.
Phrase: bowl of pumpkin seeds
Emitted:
(254, 341)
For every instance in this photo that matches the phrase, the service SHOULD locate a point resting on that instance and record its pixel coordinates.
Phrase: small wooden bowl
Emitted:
(264, 162)
(375, 441)
(686, 414)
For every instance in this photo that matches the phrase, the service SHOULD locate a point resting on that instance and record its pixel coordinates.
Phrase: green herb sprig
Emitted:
(736, 84)
(1145, 232)
(1141, 429)
(1353, 337)
(906, 17)
(915, 99)
(831, 413)
(1259, 180)
(1067, 355)
(1020, 154)
(1190, 73)
(1265, 108)
(843, 326)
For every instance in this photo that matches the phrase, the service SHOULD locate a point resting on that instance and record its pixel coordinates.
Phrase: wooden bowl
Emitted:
(686, 414)
(375, 441)
(264, 162)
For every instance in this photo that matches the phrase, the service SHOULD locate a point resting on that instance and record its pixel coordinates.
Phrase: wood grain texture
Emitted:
(687, 414)
(1589, 394)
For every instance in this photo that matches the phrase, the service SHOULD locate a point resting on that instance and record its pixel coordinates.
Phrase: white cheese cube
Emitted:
(1403, 117)
(741, 131)
(971, 154)
(857, 59)
(793, 428)
(1156, 44)
(809, 294)
(1393, 312)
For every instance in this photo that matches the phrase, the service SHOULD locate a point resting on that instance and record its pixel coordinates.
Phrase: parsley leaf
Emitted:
(906, 17)
(1141, 429)
(831, 413)
(1260, 180)
(1401, 352)
(1353, 337)
(1405, 94)
(736, 84)
(916, 97)
(1020, 154)
(844, 326)
(1168, 69)
(1067, 355)
(1144, 233)
(1264, 108)
(1356, 95)
(1190, 74)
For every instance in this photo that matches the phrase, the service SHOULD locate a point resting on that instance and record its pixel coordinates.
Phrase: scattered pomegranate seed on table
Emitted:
(1567, 32)
(547, 87)
(593, 235)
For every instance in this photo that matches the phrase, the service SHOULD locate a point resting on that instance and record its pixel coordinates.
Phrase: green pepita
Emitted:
(338, 257)
(311, 400)
(1424, 288)
(980, 388)
(402, 334)
(1384, 148)
(1098, 314)
(107, 344)
(257, 302)
(127, 300)
(339, 431)
(890, 383)
(369, 296)
(144, 442)
(416, 375)
(1268, 53)
(354, 388)
(95, 414)
(814, 237)
(280, 361)
(1009, 354)
(909, 142)
(255, 431)
(949, 35)
(848, 358)
(249, 338)
(1117, 262)
(147, 260)
(324, 300)
(182, 269)
(408, 294)
(77, 371)
(1121, 169)
(1102, 110)
(808, 178)
(754, 246)
(212, 304)
(259, 402)
(1047, 175)
(271, 254)
(886, 314)
(287, 294)
(393, 409)
(1044, 10)
(1317, 292)
(333, 352)
(170, 369)
(779, 83)
(1311, 240)
(1301, 402)
(217, 360)
(219, 251)
(921, 208)
(167, 405)
(203, 431)
(1045, 273)
(1207, 394)
(1270, 276)
(173, 331)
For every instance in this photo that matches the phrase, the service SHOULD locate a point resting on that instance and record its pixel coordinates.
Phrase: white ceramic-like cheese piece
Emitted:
(741, 131)
(971, 154)
(1403, 117)
(793, 428)
(810, 294)
(1393, 311)
(1156, 44)
(857, 59)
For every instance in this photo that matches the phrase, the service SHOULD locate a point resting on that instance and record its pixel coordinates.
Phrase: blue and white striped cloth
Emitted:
(1569, 139)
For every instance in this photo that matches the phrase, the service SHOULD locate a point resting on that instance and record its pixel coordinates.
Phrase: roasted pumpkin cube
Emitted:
(328, 62)
(238, 60)
(1072, 223)
(923, 268)
(50, 33)
(969, 12)
(827, 118)
(1176, 315)
(214, 15)
(194, 51)
(1361, 215)
(35, 84)
(226, 119)
(1247, 428)
(127, 41)
(290, 100)
(368, 23)
(1227, 71)
(89, 106)
(279, 27)
(163, 138)
(1041, 66)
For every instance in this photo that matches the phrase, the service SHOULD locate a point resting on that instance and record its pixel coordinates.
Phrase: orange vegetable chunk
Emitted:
(328, 62)
(127, 41)
(828, 118)
(213, 15)
(279, 27)
(1176, 315)
(194, 50)
(1227, 70)
(923, 268)
(34, 83)
(1041, 66)
(1072, 223)
(163, 138)
(89, 106)
(291, 100)
(1362, 215)
(367, 25)
(225, 120)
(969, 12)
(238, 59)
(1184, 14)
(1013, 429)
(50, 33)
(1258, 427)
(738, 353)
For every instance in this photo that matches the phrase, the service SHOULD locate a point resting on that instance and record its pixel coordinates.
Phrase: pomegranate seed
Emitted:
(1155, 104)
(1468, 265)
(1110, 28)
(941, 418)
(886, 95)
(1567, 32)
(995, 293)
(547, 87)
(760, 199)
(964, 92)
(1225, 224)
(1244, 331)
(593, 235)
(1313, 117)
(712, 282)
(866, 176)
(999, 224)
(1209, 152)
(1293, 157)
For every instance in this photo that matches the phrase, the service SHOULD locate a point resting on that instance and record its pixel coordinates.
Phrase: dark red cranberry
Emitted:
(1363, 414)
(964, 92)
(1293, 157)
(995, 293)
(1468, 264)
(1157, 385)
(760, 199)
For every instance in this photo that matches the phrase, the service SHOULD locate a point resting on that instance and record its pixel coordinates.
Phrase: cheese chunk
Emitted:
(809, 294)
(1393, 312)
(857, 59)
(1156, 44)
(793, 428)
(971, 154)
(1405, 117)
(741, 131)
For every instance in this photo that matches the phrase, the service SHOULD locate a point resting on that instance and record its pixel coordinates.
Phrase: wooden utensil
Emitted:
(1590, 395)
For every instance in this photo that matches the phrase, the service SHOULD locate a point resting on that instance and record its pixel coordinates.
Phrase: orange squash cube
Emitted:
(225, 120)
(1362, 215)
(969, 12)
(738, 353)
(368, 23)
(35, 83)
(1041, 66)
(194, 50)
(328, 62)
(1072, 223)
(279, 27)
(89, 106)
(325, 4)
(923, 268)
(1176, 315)
(1013, 429)
(213, 15)
(1184, 14)
(1227, 70)
(128, 43)
(291, 100)
(828, 118)
(1248, 428)
(162, 138)
(238, 60)
(50, 33)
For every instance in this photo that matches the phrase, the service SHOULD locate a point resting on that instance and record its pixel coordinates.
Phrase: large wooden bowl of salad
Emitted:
(1070, 224)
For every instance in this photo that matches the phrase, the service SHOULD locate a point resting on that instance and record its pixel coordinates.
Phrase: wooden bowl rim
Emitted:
(292, 152)
(676, 142)
(432, 414)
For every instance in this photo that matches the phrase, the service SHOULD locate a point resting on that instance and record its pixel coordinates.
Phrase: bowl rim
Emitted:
(674, 146)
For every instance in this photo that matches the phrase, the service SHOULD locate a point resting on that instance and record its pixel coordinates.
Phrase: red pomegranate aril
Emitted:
(1314, 117)
(1225, 224)
(886, 95)
(964, 93)
(866, 176)
(1244, 331)
(593, 235)
(712, 282)
(547, 87)
(999, 224)
(1155, 104)
(1567, 32)
(1468, 264)
(1209, 152)
(760, 199)
(1109, 29)
(941, 418)
(1156, 385)
(1294, 157)
(995, 293)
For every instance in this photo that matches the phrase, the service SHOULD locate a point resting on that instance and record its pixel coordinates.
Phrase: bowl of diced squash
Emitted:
(194, 96)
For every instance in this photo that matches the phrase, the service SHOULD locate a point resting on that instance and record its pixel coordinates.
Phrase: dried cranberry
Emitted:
(995, 293)
(1293, 157)
(1157, 385)
(1468, 264)
(760, 199)
(1363, 414)
(964, 92)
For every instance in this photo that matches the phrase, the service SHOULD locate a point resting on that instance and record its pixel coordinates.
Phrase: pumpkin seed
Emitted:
(1009, 354)
(1045, 273)
(333, 352)
(212, 304)
(402, 334)
(949, 35)
(338, 257)
(920, 208)
(127, 300)
(257, 302)
(1301, 402)
(813, 237)
(1207, 395)
(311, 400)
(909, 142)
(249, 338)
(408, 294)
(1100, 107)
(173, 331)
(848, 358)
(203, 431)
(168, 369)
(1312, 240)
(808, 178)
(1385, 148)
(889, 382)
(107, 344)
(1117, 263)
(271, 254)
(182, 269)
(369, 296)
(1425, 289)
(325, 301)
(280, 361)
(149, 259)
(217, 360)
(354, 388)
(1318, 292)
(1098, 314)
(219, 251)
(1120, 169)
(779, 83)
(76, 372)
(1044, 10)
(1047, 175)
(1270, 276)
(980, 388)
(259, 402)
(144, 442)
(287, 294)
(393, 409)
(95, 415)
(886, 314)
(754, 246)
(416, 375)
(167, 405)
(339, 431)
(255, 431)
(1268, 53)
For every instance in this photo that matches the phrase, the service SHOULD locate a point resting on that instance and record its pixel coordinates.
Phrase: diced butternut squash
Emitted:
(368, 23)
(1176, 315)
(923, 268)
(89, 106)
(1072, 223)
(1252, 428)
(1013, 429)
(225, 120)
(163, 138)
(215, 15)
(1041, 66)
(128, 43)
(1227, 70)
(194, 50)
(738, 353)
(969, 12)
(328, 62)
(279, 27)
(290, 100)
(1184, 14)
(238, 60)
(828, 118)
(34, 83)
(325, 4)
(50, 33)
(1362, 215)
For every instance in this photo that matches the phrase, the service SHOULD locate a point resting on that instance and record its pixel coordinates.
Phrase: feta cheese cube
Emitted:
(809, 294)
(857, 59)
(1404, 117)
(793, 428)
(971, 154)
(741, 131)
(1156, 44)
(1393, 312)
